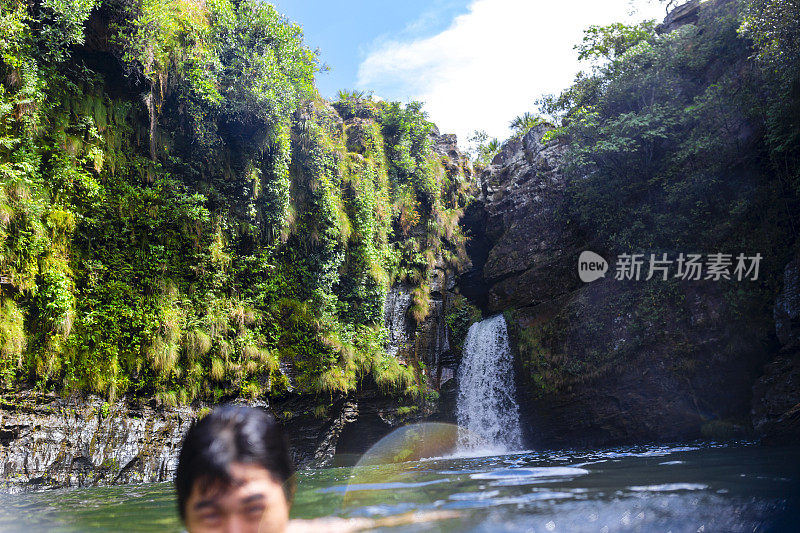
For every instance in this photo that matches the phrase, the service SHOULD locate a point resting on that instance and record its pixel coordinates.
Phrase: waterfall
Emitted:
(488, 414)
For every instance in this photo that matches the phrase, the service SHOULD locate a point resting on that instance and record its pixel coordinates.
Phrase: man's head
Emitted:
(234, 473)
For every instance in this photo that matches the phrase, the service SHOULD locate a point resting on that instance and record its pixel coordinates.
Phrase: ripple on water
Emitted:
(475, 495)
(658, 451)
(534, 497)
(471, 500)
(669, 487)
(494, 498)
(511, 477)
(379, 486)
(504, 474)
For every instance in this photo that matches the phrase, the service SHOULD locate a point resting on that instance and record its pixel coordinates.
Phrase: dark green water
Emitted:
(647, 488)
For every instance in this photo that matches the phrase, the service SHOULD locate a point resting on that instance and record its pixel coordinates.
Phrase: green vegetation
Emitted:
(685, 141)
(483, 149)
(522, 124)
(460, 317)
(612, 41)
(774, 27)
(667, 140)
(182, 216)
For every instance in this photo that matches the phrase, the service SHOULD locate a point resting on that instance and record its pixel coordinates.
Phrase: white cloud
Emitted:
(493, 62)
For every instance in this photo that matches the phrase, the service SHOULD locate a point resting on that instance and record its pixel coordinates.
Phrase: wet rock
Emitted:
(351, 427)
(776, 401)
(594, 366)
(776, 395)
(325, 452)
(50, 441)
(521, 255)
(428, 341)
(597, 369)
(398, 322)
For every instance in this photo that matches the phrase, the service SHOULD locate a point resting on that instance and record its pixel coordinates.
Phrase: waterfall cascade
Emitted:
(488, 414)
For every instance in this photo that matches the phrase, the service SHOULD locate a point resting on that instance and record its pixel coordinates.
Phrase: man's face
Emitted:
(254, 502)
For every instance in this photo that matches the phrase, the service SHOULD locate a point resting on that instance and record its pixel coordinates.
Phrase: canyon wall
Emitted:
(594, 367)
(625, 361)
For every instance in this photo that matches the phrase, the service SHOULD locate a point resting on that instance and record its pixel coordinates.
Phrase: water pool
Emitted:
(697, 487)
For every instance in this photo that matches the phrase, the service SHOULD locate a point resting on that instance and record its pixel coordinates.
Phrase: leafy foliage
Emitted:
(522, 124)
(186, 218)
(774, 26)
(483, 149)
(461, 316)
(676, 142)
(612, 41)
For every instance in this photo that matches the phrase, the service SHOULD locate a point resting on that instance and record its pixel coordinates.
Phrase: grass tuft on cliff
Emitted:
(182, 216)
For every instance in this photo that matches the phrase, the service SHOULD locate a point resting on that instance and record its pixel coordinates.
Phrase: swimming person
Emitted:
(234, 473)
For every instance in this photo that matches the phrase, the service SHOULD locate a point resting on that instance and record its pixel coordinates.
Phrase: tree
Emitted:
(522, 124)
(482, 148)
(774, 27)
(612, 41)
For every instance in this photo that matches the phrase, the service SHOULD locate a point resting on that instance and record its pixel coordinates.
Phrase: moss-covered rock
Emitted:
(183, 217)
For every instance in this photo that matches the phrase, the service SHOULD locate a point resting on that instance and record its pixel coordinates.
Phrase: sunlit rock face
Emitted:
(428, 341)
(54, 442)
(50, 442)
(398, 323)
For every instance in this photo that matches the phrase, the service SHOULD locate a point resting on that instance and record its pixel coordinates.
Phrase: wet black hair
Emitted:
(231, 434)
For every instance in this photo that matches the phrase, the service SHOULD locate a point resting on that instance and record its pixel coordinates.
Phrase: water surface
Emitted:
(645, 488)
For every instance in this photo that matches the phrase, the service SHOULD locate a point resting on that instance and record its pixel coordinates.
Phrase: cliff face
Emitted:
(193, 231)
(49, 442)
(429, 341)
(521, 257)
(680, 170)
(776, 395)
(607, 362)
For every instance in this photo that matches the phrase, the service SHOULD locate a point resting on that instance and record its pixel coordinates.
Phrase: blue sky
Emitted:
(345, 31)
(475, 63)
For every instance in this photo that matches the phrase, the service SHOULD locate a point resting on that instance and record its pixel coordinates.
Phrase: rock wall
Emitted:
(429, 341)
(623, 362)
(776, 395)
(47, 441)
(596, 363)
(520, 255)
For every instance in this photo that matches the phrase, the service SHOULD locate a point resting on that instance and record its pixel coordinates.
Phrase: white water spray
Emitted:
(488, 414)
